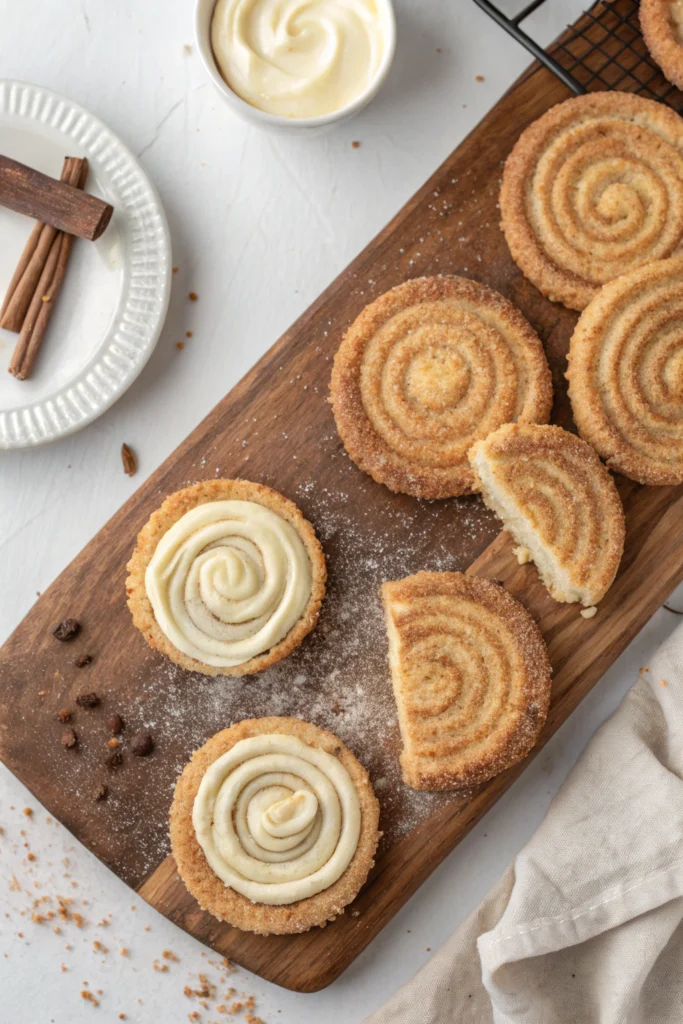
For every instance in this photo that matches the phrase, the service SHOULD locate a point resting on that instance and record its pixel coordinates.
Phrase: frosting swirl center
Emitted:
(228, 581)
(278, 820)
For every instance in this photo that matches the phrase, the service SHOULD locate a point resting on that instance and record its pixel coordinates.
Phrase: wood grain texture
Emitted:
(276, 427)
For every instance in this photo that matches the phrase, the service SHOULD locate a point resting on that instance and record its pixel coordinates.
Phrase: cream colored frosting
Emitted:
(299, 58)
(228, 581)
(278, 820)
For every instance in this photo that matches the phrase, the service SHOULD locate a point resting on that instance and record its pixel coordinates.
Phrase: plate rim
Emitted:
(130, 339)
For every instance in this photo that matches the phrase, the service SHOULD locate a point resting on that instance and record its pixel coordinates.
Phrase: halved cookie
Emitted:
(274, 826)
(592, 190)
(560, 504)
(661, 22)
(471, 678)
(227, 578)
(425, 370)
(625, 373)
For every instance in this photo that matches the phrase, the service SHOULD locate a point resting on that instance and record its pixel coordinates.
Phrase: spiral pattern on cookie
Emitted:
(228, 581)
(559, 502)
(278, 820)
(626, 373)
(471, 677)
(661, 22)
(592, 190)
(425, 370)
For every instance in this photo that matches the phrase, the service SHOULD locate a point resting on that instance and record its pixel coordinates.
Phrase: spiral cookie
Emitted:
(559, 503)
(626, 373)
(592, 190)
(662, 24)
(227, 578)
(424, 371)
(471, 678)
(274, 826)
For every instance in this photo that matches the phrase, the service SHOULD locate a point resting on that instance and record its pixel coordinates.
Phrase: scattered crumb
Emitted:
(193, 296)
(188, 334)
(522, 554)
(355, 145)
(479, 78)
(187, 49)
(28, 811)
(588, 613)
(175, 270)
(89, 997)
(662, 682)
(180, 345)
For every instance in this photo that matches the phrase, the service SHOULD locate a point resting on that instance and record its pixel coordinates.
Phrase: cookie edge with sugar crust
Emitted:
(223, 902)
(174, 508)
(363, 445)
(537, 681)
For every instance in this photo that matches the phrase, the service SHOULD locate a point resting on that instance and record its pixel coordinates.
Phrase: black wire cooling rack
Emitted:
(603, 50)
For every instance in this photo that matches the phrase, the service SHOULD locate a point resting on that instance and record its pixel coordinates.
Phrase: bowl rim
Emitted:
(203, 15)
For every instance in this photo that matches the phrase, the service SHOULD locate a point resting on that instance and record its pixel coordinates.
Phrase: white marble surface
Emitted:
(260, 225)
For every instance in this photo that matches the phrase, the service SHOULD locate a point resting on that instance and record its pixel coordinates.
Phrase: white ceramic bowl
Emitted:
(262, 119)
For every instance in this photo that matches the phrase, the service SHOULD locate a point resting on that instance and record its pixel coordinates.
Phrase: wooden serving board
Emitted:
(276, 427)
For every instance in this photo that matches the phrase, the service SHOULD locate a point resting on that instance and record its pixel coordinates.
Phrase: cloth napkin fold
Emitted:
(586, 926)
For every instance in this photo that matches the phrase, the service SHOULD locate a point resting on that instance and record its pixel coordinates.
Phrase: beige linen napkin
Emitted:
(586, 927)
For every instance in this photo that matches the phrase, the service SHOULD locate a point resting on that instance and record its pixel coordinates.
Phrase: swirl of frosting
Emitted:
(593, 189)
(228, 581)
(427, 369)
(626, 373)
(299, 58)
(278, 820)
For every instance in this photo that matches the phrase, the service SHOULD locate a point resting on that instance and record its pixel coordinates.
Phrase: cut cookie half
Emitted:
(560, 504)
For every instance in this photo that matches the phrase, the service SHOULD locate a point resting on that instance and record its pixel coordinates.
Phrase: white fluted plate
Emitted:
(115, 296)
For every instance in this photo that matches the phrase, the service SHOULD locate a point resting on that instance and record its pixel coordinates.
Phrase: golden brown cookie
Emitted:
(425, 370)
(471, 678)
(559, 503)
(227, 578)
(661, 22)
(591, 190)
(242, 793)
(626, 373)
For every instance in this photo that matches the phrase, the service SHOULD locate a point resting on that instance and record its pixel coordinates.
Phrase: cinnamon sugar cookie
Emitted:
(274, 826)
(559, 503)
(592, 190)
(626, 373)
(425, 370)
(471, 678)
(661, 22)
(227, 578)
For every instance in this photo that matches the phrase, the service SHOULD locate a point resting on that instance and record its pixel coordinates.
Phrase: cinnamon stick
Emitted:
(47, 290)
(30, 267)
(54, 202)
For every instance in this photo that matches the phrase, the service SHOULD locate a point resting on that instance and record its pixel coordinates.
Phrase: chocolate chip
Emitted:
(142, 744)
(102, 792)
(115, 724)
(67, 629)
(64, 715)
(87, 700)
(83, 660)
(114, 759)
(69, 738)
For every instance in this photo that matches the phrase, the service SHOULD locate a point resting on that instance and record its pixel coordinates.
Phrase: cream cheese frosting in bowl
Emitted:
(296, 64)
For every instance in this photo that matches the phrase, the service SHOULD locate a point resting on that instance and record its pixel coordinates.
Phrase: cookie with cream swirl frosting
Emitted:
(227, 577)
